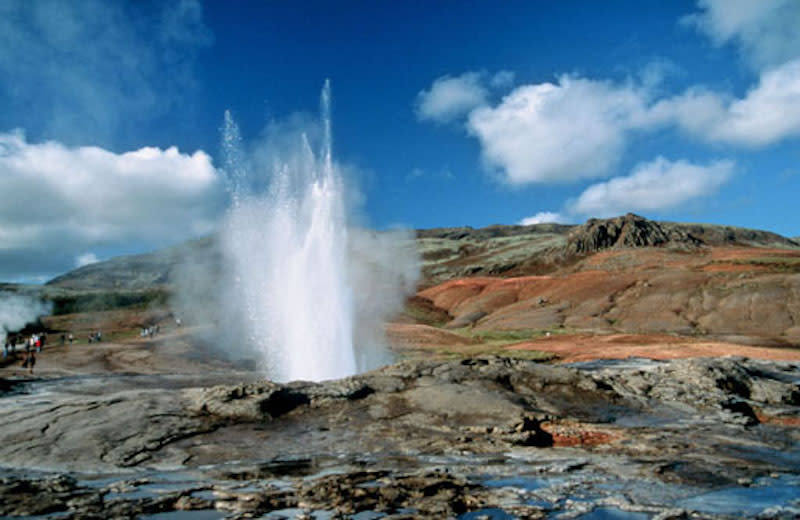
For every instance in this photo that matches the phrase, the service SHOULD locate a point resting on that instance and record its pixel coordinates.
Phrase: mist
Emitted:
(295, 282)
(16, 311)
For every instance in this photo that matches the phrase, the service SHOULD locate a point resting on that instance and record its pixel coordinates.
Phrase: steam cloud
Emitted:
(17, 310)
(289, 271)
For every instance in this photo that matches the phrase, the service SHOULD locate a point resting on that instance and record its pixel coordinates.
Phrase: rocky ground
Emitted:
(492, 436)
(623, 369)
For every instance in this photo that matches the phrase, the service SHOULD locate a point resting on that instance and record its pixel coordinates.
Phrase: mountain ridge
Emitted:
(449, 252)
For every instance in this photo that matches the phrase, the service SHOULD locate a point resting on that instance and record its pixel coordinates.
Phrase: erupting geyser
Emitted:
(287, 255)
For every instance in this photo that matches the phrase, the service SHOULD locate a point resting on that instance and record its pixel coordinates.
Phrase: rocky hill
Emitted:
(544, 248)
(449, 253)
(137, 272)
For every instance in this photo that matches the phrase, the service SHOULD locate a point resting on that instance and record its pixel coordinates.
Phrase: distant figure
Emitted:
(63, 339)
(71, 338)
(99, 336)
(91, 338)
(31, 361)
(177, 322)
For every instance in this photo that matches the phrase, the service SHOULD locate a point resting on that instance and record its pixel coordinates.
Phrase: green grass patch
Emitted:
(424, 312)
(93, 301)
(474, 351)
(508, 337)
(774, 263)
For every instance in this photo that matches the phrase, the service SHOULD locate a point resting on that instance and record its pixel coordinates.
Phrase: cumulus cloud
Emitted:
(88, 71)
(544, 217)
(768, 113)
(452, 97)
(70, 200)
(503, 79)
(573, 129)
(654, 186)
(766, 31)
(86, 259)
(579, 128)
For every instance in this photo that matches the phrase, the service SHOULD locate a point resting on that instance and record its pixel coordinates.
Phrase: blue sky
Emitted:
(445, 113)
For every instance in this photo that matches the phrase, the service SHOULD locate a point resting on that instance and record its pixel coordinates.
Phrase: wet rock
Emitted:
(689, 422)
(27, 497)
(434, 493)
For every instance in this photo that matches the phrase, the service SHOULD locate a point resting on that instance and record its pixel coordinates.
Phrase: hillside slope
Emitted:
(626, 274)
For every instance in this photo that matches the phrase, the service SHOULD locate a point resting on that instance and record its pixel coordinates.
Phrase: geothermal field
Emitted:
(513, 260)
(291, 366)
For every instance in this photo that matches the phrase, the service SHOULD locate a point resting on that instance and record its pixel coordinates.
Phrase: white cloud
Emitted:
(544, 217)
(91, 70)
(657, 185)
(58, 202)
(503, 79)
(558, 132)
(86, 259)
(768, 113)
(451, 97)
(766, 31)
(578, 128)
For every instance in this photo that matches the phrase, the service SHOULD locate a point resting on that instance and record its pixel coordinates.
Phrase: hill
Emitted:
(449, 253)
(621, 275)
(544, 248)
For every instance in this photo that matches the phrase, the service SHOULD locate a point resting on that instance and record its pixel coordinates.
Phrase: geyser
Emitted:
(289, 262)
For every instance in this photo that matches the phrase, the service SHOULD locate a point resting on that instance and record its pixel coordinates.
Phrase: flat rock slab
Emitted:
(702, 422)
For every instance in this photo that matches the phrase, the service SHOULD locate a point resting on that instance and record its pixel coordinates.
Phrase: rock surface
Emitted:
(414, 436)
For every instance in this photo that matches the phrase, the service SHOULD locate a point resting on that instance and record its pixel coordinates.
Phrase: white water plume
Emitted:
(289, 263)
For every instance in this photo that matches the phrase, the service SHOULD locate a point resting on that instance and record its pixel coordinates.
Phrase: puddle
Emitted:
(526, 483)
(296, 513)
(612, 513)
(489, 513)
(200, 514)
(748, 501)
(631, 363)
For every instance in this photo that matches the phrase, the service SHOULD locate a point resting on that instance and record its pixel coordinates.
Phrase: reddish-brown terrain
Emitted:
(625, 287)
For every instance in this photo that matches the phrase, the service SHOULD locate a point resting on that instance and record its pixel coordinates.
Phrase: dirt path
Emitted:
(170, 353)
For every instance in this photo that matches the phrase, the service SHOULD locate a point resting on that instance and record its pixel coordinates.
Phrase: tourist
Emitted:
(63, 339)
(71, 338)
(31, 361)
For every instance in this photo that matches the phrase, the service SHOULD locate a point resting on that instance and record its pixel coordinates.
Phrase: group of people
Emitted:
(32, 344)
(149, 332)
